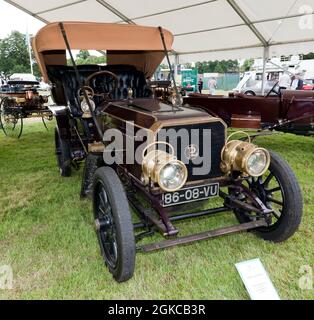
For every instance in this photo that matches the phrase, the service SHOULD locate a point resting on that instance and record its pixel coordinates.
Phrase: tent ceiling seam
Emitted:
(173, 10)
(280, 25)
(257, 46)
(14, 4)
(247, 21)
(222, 49)
(115, 11)
(60, 7)
(242, 24)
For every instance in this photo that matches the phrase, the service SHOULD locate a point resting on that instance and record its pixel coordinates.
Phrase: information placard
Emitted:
(256, 280)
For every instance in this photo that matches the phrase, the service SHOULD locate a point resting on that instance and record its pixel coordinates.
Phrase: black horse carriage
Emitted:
(150, 153)
(20, 99)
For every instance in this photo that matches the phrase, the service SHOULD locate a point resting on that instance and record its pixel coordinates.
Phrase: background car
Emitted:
(254, 87)
(308, 84)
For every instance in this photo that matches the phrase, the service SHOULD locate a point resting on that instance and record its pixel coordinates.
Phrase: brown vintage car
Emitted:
(151, 154)
(290, 111)
(20, 99)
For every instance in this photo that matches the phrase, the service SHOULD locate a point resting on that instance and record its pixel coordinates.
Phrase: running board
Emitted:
(202, 236)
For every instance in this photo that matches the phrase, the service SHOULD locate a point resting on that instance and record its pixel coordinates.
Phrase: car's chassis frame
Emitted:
(156, 218)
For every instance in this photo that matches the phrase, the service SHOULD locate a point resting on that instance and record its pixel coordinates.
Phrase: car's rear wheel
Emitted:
(114, 224)
(63, 154)
(279, 190)
(250, 93)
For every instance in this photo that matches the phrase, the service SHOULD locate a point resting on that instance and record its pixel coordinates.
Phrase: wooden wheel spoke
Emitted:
(280, 203)
(274, 190)
(276, 215)
(268, 179)
(103, 199)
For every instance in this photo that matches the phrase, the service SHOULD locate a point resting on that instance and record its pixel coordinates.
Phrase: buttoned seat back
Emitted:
(66, 86)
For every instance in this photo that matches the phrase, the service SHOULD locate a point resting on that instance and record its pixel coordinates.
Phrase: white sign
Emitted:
(6, 277)
(256, 280)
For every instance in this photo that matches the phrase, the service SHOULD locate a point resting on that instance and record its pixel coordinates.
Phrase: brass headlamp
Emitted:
(84, 104)
(163, 168)
(244, 157)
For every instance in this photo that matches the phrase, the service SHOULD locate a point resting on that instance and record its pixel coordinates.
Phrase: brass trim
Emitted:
(96, 147)
(166, 123)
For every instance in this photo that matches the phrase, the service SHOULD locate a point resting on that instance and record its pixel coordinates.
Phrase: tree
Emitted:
(248, 63)
(14, 56)
(223, 66)
(83, 54)
(89, 60)
(308, 56)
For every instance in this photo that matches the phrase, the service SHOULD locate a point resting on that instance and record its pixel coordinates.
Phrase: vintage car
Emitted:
(153, 154)
(290, 111)
(20, 99)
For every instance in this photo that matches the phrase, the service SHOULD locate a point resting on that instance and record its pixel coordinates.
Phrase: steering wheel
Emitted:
(113, 82)
(273, 90)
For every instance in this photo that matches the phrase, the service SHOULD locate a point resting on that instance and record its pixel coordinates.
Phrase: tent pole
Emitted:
(265, 58)
(176, 64)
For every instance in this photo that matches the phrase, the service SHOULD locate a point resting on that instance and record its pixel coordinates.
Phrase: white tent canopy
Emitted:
(203, 30)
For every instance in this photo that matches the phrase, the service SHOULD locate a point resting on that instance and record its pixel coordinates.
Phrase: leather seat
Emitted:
(64, 79)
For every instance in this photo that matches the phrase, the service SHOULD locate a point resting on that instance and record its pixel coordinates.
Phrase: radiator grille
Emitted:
(216, 138)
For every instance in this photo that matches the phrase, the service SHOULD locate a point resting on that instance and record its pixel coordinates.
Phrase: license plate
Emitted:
(187, 195)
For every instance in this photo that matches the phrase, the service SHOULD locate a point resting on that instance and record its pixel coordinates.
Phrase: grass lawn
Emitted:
(47, 235)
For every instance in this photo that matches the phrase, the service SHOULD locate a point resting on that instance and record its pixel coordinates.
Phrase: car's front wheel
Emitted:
(113, 224)
(279, 190)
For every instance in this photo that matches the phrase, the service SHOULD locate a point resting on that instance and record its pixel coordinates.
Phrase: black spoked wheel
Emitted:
(11, 121)
(114, 224)
(63, 154)
(279, 190)
(45, 118)
(44, 123)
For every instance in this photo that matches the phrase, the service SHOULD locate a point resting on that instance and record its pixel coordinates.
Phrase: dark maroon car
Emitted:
(292, 111)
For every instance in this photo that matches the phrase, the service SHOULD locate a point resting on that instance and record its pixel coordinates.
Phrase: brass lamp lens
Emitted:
(257, 162)
(172, 176)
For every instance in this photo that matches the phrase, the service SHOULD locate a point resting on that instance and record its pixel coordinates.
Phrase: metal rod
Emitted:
(203, 236)
(186, 216)
(78, 79)
(60, 7)
(168, 60)
(115, 11)
(247, 21)
(265, 59)
(198, 214)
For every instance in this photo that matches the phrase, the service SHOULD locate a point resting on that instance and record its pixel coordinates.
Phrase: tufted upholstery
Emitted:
(64, 80)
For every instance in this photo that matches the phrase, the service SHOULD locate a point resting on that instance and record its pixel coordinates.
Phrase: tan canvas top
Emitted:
(49, 45)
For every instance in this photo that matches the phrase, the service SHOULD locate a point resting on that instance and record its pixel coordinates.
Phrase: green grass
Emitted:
(47, 236)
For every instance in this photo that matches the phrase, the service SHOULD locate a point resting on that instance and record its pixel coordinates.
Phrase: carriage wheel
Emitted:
(113, 224)
(279, 190)
(44, 123)
(11, 123)
(45, 118)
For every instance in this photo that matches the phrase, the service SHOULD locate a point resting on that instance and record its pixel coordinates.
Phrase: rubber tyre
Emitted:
(250, 93)
(291, 216)
(126, 248)
(63, 154)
